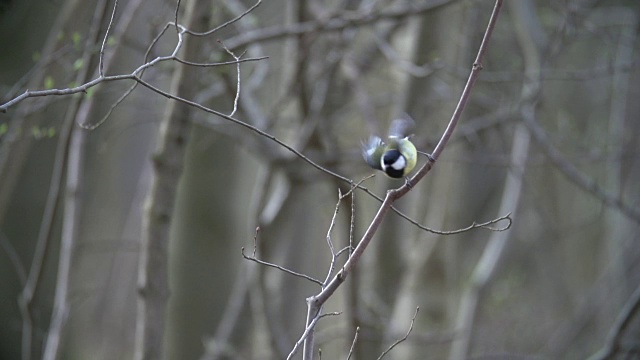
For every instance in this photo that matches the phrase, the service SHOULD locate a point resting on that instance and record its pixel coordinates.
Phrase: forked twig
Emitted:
(276, 266)
(308, 330)
(237, 58)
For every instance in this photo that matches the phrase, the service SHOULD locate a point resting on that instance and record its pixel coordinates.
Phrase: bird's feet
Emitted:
(431, 158)
(407, 182)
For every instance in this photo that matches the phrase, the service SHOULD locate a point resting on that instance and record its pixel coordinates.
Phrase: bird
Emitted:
(398, 156)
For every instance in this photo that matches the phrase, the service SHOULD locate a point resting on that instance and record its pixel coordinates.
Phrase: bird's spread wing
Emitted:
(372, 151)
(402, 127)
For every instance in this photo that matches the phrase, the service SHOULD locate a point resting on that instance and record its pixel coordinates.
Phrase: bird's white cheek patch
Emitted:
(399, 164)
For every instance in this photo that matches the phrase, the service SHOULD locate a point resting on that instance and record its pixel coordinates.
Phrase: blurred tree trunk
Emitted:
(153, 276)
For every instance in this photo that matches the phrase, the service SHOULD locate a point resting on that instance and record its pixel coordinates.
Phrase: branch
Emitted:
(291, 272)
(315, 302)
(104, 40)
(494, 249)
(137, 74)
(237, 58)
(474, 225)
(334, 254)
(413, 319)
(307, 331)
(353, 343)
(338, 23)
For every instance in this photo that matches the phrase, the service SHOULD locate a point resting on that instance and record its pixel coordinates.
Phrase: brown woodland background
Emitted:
(550, 135)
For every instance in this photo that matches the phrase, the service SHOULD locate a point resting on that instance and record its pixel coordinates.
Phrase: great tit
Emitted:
(398, 157)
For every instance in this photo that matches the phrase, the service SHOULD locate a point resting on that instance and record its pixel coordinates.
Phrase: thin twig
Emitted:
(126, 94)
(136, 75)
(237, 58)
(493, 251)
(403, 338)
(234, 20)
(175, 17)
(316, 302)
(330, 242)
(237, 61)
(474, 225)
(291, 272)
(352, 222)
(104, 40)
(255, 241)
(334, 24)
(308, 330)
(334, 255)
(353, 343)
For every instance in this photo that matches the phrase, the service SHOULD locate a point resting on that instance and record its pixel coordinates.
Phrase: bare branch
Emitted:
(475, 71)
(266, 263)
(237, 58)
(474, 225)
(234, 20)
(237, 61)
(307, 331)
(330, 242)
(337, 23)
(402, 339)
(494, 249)
(353, 343)
(136, 75)
(316, 302)
(104, 40)
(352, 221)
(175, 17)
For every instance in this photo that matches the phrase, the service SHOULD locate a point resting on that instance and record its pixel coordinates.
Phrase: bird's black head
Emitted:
(393, 163)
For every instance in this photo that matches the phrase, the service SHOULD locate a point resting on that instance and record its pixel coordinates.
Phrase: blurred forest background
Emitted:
(550, 135)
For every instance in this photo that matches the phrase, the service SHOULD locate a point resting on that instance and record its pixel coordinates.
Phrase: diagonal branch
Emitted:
(315, 303)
